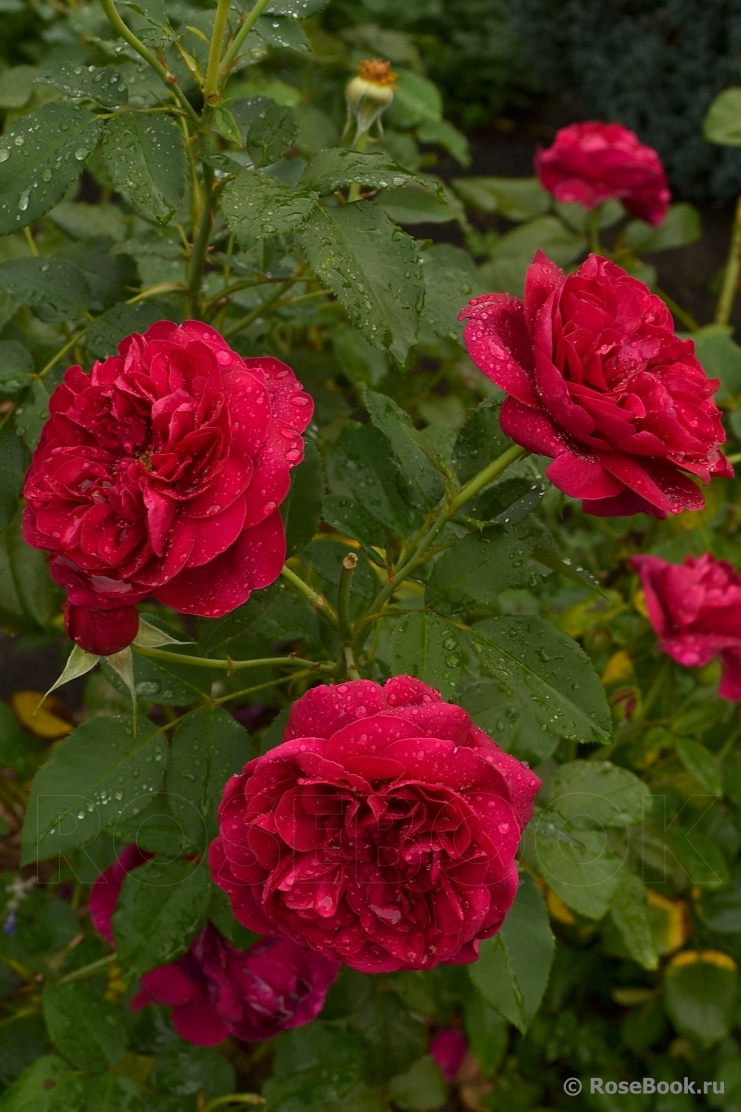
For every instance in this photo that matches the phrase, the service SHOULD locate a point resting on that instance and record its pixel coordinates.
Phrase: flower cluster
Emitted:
(216, 990)
(161, 473)
(695, 608)
(598, 381)
(382, 831)
(592, 162)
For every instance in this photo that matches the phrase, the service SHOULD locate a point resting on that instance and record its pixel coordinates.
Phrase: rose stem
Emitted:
(593, 220)
(90, 970)
(730, 282)
(322, 604)
(241, 35)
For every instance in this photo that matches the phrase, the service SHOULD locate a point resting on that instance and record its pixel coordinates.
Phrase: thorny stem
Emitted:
(128, 36)
(352, 668)
(347, 572)
(320, 602)
(227, 665)
(236, 44)
(730, 282)
(211, 87)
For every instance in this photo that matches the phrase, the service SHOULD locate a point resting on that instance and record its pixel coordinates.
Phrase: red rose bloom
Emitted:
(215, 989)
(695, 608)
(448, 1049)
(598, 381)
(593, 162)
(383, 831)
(160, 473)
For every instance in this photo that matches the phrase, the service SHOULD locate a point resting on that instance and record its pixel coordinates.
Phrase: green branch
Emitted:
(236, 45)
(90, 970)
(227, 665)
(211, 87)
(319, 602)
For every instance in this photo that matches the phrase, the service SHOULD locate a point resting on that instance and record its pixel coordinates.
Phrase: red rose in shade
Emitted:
(598, 381)
(383, 831)
(161, 473)
(695, 608)
(594, 162)
(448, 1048)
(215, 989)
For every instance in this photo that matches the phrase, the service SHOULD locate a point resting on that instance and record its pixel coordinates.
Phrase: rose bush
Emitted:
(592, 162)
(382, 831)
(598, 380)
(216, 989)
(695, 608)
(160, 473)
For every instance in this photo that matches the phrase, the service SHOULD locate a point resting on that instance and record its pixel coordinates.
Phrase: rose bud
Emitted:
(592, 162)
(381, 832)
(448, 1047)
(161, 472)
(695, 608)
(216, 990)
(369, 94)
(598, 381)
(102, 632)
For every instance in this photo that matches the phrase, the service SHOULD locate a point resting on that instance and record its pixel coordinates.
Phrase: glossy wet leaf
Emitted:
(302, 508)
(373, 269)
(513, 967)
(365, 462)
(48, 1085)
(208, 748)
(422, 1087)
(450, 282)
(700, 993)
(295, 9)
(701, 763)
(87, 1030)
(111, 277)
(427, 647)
(40, 157)
(412, 205)
(257, 206)
(395, 1036)
(282, 34)
(162, 681)
(318, 1066)
(516, 198)
(630, 915)
(16, 367)
(421, 478)
(161, 908)
(145, 157)
(25, 585)
(578, 865)
(599, 794)
(271, 133)
(56, 290)
(478, 567)
(351, 518)
(333, 169)
(87, 782)
(547, 673)
(479, 442)
(106, 332)
(513, 728)
(12, 471)
(106, 86)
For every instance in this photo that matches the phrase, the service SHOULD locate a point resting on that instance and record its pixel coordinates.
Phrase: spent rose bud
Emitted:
(216, 990)
(369, 94)
(695, 608)
(448, 1048)
(160, 473)
(381, 832)
(592, 162)
(598, 381)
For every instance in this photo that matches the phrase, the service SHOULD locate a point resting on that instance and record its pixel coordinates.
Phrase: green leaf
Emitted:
(226, 126)
(700, 993)
(16, 85)
(316, 1066)
(513, 968)
(513, 728)
(48, 1085)
(720, 357)
(333, 169)
(257, 206)
(395, 1035)
(722, 122)
(146, 160)
(443, 134)
(373, 269)
(547, 556)
(208, 748)
(80, 220)
(629, 913)
(479, 442)
(106, 332)
(415, 100)
(106, 86)
(450, 281)
(161, 681)
(422, 1087)
(302, 507)
(295, 9)
(111, 278)
(12, 471)
(512, 254)
(598, 794)
(681, 227)
(55, 289)
(24, 576)
(412, 205)
(547, 673)
(515, 198)
(487, 1032)
(428, 648)
(16, 367)
(364, 460)
(701, 859)
(353, 520)
(87, 781)
(700, 763)
(420, 476)
(580, 868)
(87, 1030)
(282, 34)
(40, 158)
(111, 1093)
(161, 908)
(481, 565)
(271, 133)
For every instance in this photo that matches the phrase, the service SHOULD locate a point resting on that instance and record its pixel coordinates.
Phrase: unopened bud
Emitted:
(369, 94)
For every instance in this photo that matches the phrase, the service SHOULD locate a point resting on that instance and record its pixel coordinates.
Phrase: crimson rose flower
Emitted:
(695, 608)
(215, 989)
(598, 381)
(383, 831)
(161, 473)
(592, 162)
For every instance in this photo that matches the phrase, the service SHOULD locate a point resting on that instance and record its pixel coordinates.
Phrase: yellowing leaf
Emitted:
(557, 909)
(669, 927)
(48, 720)
(639, 603)
(619, 667)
